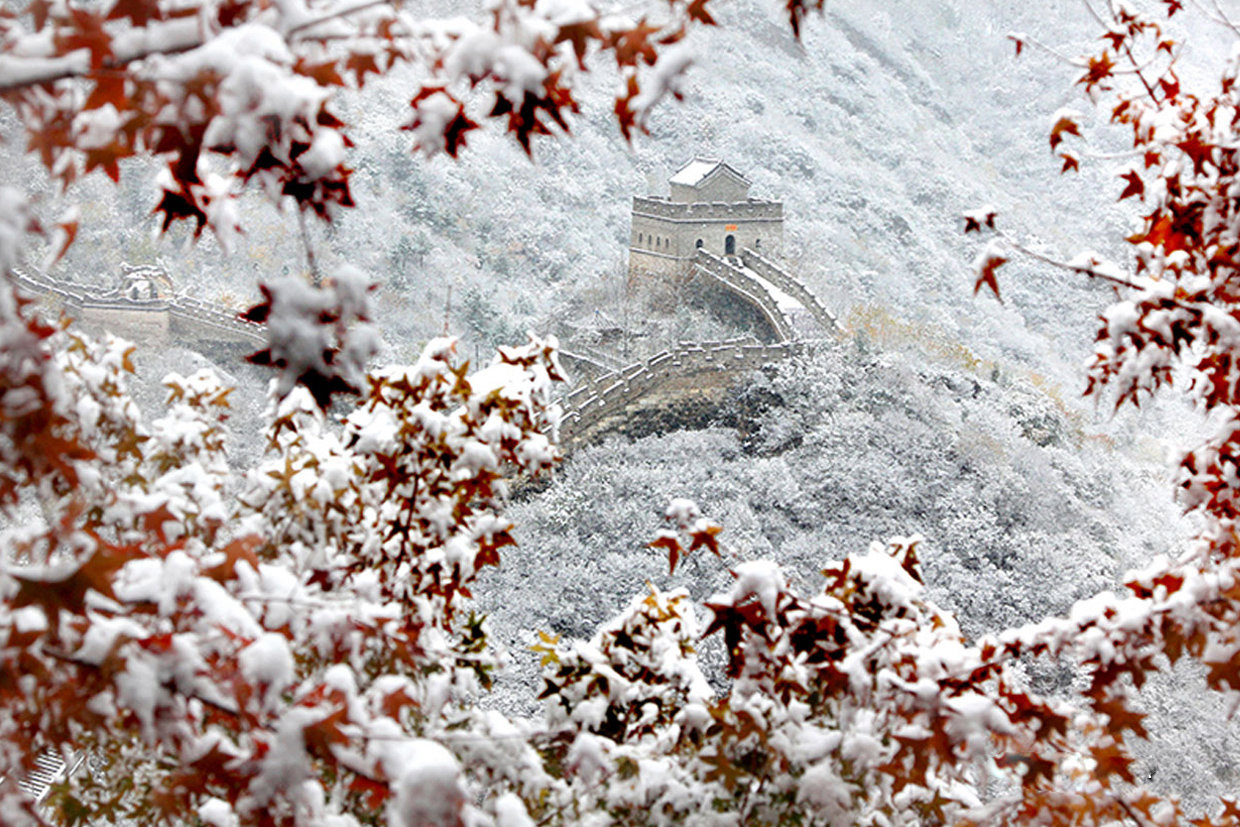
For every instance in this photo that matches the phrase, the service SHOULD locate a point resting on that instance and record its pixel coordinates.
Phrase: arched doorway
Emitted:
(729, 246)
(699, 244)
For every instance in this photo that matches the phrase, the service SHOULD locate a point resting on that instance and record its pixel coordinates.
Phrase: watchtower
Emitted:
(709, 208)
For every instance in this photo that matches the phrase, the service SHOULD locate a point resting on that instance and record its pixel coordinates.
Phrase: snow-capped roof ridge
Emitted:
(699, 169)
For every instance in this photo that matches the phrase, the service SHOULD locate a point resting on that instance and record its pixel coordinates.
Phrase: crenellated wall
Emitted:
(692, 367)
(665, 235)
(770, 271)
(154, 320)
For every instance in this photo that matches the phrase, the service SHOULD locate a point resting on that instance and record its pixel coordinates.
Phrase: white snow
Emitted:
(268, 662)
(216, 812)
(782, 300)
(692, 173)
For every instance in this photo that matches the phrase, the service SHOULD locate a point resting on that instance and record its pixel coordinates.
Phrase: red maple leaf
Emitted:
(697, 11)
(1098, 70)
(625, 116)
(1112, 760)
(1200, 152)
(109, 88)
(107, 157)
(633, 45)
(85, 31)
(361, 64)
(179, 205)
(40, 10)
(989, 262)
(456, 130)
(580, 35)
(324, 74)
(50, 141)
(668, 541)
(1136, 186)
(139, 12)
(1064, 126)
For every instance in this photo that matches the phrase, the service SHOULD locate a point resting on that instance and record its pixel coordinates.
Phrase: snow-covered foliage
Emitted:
(277, 656)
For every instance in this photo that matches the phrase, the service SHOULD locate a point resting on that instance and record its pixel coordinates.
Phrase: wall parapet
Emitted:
(752, 210)
(610, 393)
(739, 282)
(195, 314)
(770, 271)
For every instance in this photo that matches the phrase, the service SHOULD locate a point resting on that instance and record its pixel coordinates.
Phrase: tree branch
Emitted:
(316, 278)
(1064, 265)
(167, 38)
(336, 15)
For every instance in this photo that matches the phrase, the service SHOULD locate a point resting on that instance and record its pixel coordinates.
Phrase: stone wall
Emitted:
(154, 321)
(648, 264)
(142, 326)
(740, 284)
(666, 235)
(689, 369)
(771, 272)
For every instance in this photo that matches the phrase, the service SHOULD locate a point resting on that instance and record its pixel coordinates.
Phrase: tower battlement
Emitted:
(708, 208)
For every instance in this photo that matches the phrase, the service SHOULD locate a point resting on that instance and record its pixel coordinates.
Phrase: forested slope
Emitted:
(1023, 511)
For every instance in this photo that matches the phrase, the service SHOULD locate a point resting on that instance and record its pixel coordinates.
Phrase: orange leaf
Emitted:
(625, 116)
(1099, 69)
(361, 64)
(1064, 126)
(706, 537)
(324, 74)
(239, 550)
(86, 31)
(1112, 760)
(1135, 185)
(633, 45)
(139, 12)
(697, 12)
(580, 35)
(67, 232)
(153, 521)
(974, 220)
(987, 263)
(1224, 672)
(668, 540)
(108, 158)
(109, 88)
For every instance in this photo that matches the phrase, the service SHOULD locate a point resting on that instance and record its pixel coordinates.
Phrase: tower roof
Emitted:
(697, 171)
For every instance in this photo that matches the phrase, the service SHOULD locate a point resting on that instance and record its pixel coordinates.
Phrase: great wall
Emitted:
(707, 231)
(697, 236)
(797, 319)
(138, 309)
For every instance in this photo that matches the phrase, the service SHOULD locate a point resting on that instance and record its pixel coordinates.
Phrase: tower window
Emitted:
(699, 244)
